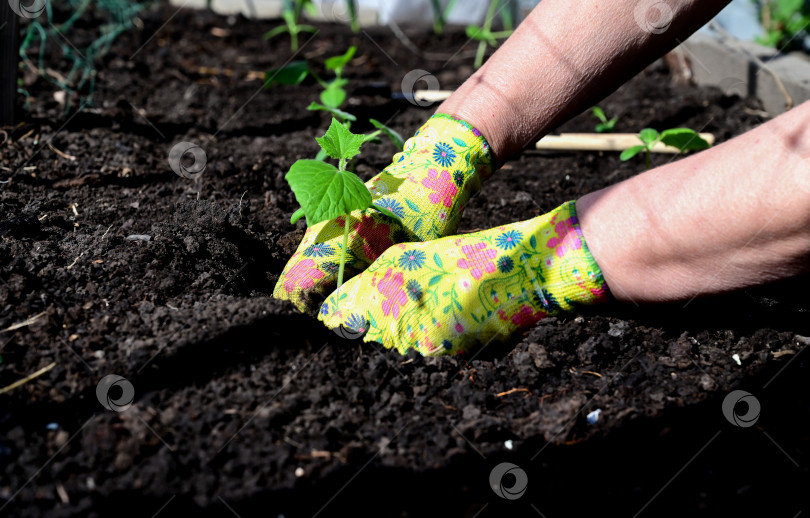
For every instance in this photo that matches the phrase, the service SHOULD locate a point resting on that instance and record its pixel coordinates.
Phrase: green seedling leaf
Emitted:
(630, 152)
(307, 28)
(477, 33)
(599, 113)
(339, 114)
(606, 127)
(648, 136)
(324, 192)
(372, 137)
(310, 7)
(395, 137)
(333, 96)
(338, 82)
(771, 39)
(339, 142)
(275, 31)
(296, 215)
(786, 9)
(338, 62)
(292, 74)
(684, 139)
(797, 24)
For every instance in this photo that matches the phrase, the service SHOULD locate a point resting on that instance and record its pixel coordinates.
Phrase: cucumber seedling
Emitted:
(333, 95)
(325, 191)
(440, 14)
(684, 139)
(485, 35)
(605, 125)
(291, 14)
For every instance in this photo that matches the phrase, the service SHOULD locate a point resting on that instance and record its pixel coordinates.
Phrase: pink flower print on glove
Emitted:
(303, 272)
(443, 187)
(391, 288)
(479, 259)
(567, 237)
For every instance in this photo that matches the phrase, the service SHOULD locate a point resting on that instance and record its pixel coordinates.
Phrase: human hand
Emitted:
(427, 186)
(442, 296)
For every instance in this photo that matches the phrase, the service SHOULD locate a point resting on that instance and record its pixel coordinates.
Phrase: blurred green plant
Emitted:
(291, 14)
(605, 125)
(80, 80)
(351, 6)
(333, 95)
(440, 14)
(485, 35)
(785, 23)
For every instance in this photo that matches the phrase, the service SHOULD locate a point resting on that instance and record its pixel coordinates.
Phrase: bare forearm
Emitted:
(728, 218)
(563, 57)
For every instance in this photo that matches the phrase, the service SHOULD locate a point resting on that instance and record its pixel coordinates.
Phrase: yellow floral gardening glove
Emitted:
(442, 296)
(427, 186)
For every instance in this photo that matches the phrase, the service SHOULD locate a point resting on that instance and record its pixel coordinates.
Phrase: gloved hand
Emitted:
(427, 186)
(442, 296)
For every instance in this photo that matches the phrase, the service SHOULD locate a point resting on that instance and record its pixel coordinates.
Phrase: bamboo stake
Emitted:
(572, 141)
(603, 142)
(433, 96)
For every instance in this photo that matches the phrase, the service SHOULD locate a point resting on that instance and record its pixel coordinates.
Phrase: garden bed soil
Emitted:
(245, 407)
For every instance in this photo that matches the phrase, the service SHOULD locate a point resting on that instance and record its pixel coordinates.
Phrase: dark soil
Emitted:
(245, 407)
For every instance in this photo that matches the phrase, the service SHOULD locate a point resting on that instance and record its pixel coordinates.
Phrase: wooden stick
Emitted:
(26, 379)
(574, 141)
(27, 322)
(603, 142)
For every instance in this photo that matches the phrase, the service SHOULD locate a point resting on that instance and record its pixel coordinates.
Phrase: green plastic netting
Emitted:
(79, 80)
